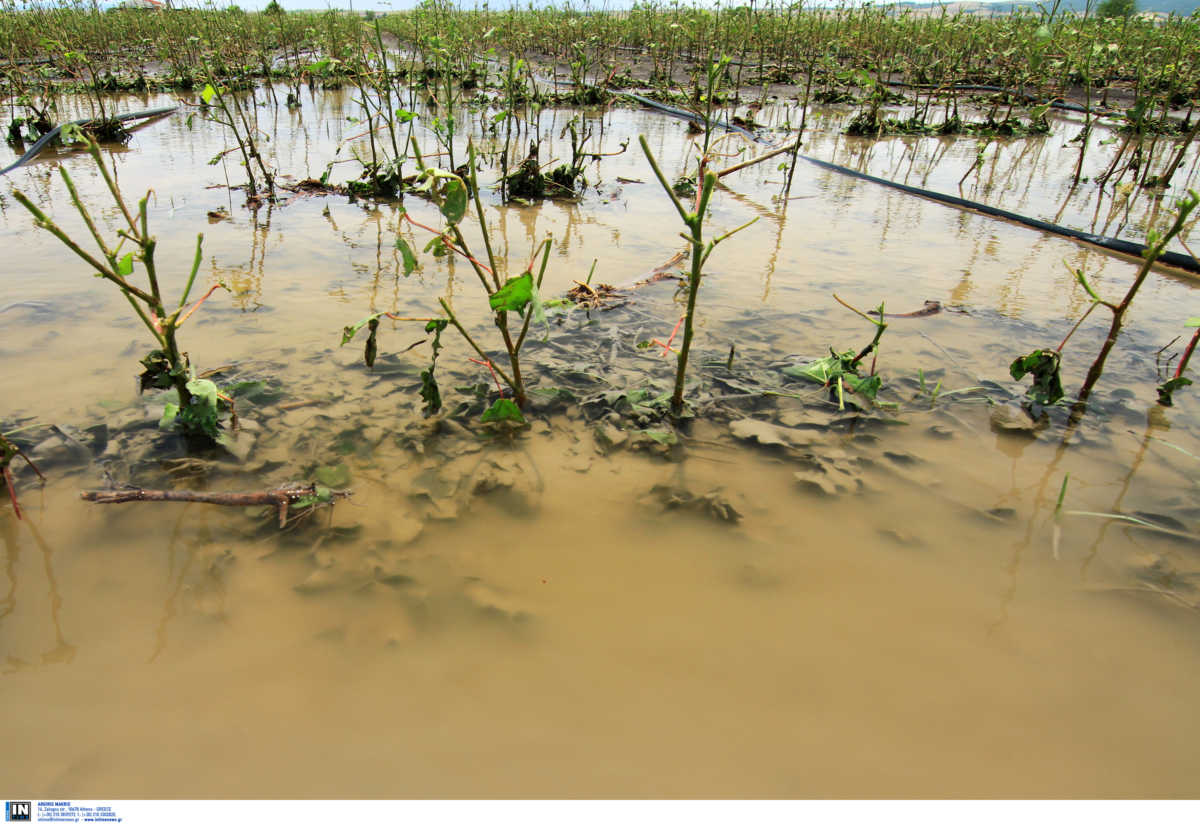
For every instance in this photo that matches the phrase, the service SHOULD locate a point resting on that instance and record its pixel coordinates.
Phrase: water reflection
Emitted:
(534, 597)
(62, 652)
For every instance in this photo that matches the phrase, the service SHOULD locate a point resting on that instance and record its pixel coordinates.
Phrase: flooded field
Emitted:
(780, 599)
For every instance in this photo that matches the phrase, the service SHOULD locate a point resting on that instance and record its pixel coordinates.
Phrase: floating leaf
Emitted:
(503, 410)
(514, 295)
(407, 253)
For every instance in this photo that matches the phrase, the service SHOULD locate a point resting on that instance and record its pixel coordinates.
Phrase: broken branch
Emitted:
(299, 496)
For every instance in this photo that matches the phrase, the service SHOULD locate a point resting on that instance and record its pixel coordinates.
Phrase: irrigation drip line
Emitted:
(45, 139)
(1112, 244)
(684, 114)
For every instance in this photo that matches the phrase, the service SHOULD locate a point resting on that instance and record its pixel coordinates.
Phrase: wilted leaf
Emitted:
(1046, 389)
(406, 252)
(1167, 389)
(348, 332)
(430, 392)
(372, 346)
(454, 205)
(824, 370)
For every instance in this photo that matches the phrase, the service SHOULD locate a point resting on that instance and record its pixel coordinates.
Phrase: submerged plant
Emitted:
(519, 294)
(840, 371)
(693, 220)
(200, 403)
(225, 108)
(1045, 364)
(8, 451)
(1177, 381)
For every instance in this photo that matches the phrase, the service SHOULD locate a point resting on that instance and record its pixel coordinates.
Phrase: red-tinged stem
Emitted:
(196, 305)
(488, 364)
(1187, 354)
(12, 492)
(449, 242)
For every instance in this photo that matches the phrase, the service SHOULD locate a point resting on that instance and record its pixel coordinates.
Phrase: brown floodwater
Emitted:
(527, 616)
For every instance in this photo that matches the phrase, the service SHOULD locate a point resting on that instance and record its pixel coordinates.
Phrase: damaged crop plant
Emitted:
(517, 295)
(199, 405)
(437, 54)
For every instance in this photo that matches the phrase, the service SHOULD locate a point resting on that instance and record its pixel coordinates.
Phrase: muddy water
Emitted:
(530, 616)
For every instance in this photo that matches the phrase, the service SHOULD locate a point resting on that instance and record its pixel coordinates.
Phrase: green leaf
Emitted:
(1046, 389)
(337, 475)
(436, 247)
(824, 370)
(539, 309)
(406, 252)
(170, 412)
(73, 134)
(203, 391)
(208, 94)
(430, 392)
(372, 346)
(454, 205)
(514, 295)
(320, 495)
(867, 387)
(503, 410)
(1167, 389)
(1192, 323)
(348, 332)
(404, 116)
(125, 265)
